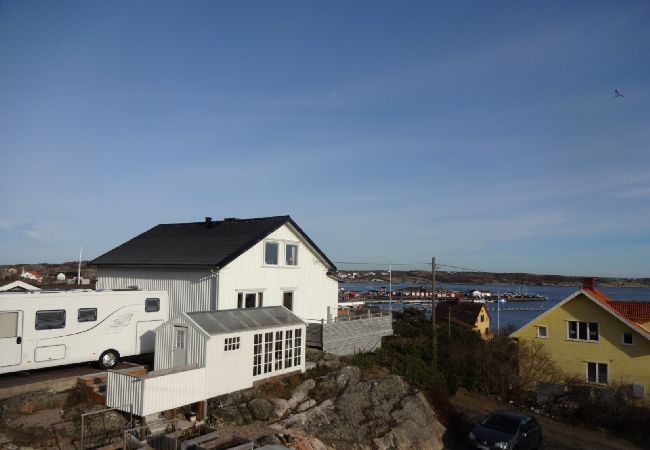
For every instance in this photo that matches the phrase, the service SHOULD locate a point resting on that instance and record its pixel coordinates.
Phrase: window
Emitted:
(268, 352)
(583, 331)
(542, 332)
(249, 299)
(628, 339)
(257, 354)
(482, 318)
(231, 344)
(271, 253)
(50, 320)
(8, 324)
(287, 300)
(297, 352)
(596, 373)
(288, 349)
(152, 305)
(179, 341)
(291, 254)
(278, 350)
(87, 315)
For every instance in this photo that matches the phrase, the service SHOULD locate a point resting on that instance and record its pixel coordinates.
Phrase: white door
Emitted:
(11, 339)
(179, 349)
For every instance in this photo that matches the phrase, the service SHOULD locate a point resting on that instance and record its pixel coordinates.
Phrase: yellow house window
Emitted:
(628, 339)
(542, 332)
(597, 373)
(583, 331)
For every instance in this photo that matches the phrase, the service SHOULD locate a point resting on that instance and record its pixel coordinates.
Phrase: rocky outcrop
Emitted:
(340, 411)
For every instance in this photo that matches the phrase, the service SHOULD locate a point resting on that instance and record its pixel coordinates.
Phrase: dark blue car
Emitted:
(506, 430)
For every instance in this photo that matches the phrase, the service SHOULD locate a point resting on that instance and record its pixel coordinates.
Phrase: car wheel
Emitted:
(109, 359)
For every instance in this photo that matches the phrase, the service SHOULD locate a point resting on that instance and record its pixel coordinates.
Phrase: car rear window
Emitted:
(501, 423)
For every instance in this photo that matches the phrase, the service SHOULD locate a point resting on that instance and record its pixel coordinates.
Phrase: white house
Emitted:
(200, 355)
(227, 264)
(35, 276)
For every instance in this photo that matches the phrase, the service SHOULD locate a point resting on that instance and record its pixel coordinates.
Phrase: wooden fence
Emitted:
(350, 334)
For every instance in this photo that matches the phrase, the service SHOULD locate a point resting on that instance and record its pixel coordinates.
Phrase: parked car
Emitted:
(506, 430)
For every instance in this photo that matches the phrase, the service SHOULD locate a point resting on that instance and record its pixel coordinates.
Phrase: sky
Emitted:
(485, 134)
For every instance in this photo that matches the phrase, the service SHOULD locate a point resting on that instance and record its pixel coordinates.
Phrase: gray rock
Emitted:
(280, 408)
(384, 414)
(245, 413)
(304, 406)
(260, 409)
(348, 375)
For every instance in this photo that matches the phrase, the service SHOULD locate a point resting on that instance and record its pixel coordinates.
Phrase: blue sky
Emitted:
(485, 133)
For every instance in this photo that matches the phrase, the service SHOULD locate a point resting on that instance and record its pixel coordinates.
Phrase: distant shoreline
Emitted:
(417, 278)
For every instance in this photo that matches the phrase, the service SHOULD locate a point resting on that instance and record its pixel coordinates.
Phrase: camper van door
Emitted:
(11, 340)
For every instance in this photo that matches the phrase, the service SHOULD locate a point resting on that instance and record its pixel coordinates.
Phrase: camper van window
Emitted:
(50, 320)
(87, 315)
(152, 305)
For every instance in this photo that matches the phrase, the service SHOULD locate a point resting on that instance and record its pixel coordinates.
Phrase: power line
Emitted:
(467, 269)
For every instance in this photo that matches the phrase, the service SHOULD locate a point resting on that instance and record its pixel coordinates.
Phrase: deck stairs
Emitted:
(95, 384)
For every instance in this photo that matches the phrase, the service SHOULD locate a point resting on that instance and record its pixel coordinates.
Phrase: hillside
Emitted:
(529, 279)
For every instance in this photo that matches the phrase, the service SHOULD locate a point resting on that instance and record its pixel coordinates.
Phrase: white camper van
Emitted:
(44, 329)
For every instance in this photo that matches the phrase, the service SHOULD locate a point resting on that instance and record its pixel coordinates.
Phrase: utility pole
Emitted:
(434, 340)
(433, 291)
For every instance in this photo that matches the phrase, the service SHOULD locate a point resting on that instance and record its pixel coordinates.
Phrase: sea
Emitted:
(516, 319)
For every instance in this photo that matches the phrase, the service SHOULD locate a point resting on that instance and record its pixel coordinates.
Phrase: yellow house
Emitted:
(595, 338)
(473, 316)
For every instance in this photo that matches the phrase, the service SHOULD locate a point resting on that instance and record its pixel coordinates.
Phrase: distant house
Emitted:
(227, 264)
(595, 338)
(472, 316)
(34, 276)
(18, 286)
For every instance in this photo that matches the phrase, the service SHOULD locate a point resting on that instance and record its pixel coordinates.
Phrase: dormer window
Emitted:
(271, 253)
(291, 255)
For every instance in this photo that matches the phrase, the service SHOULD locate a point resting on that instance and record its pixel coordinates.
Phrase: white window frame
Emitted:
(629, 344)
(231, 343)
(538, 334)
(577, 338)
(259, 298)
(279, 256)
(294, 244)
(597, 372)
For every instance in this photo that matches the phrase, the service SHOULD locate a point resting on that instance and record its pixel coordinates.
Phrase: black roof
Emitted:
(207, 244)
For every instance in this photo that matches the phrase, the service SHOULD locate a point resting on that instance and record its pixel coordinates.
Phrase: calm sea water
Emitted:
(554, 294)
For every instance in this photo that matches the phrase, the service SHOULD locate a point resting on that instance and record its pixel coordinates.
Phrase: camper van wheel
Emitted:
(109, 359)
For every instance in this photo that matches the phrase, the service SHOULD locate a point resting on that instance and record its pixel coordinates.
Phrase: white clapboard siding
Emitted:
(361, 335)
(156, 391)
(188, 290)
(313, 290)
(195, 345)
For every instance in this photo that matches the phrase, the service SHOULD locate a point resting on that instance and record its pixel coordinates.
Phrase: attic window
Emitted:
(628, 339)
(271, 253)
(291, 254)
(542, 332)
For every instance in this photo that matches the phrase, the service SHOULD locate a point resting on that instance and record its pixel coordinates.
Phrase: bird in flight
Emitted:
(617, 93)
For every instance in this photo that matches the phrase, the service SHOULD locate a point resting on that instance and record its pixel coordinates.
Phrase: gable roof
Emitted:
(618, 309)
(206, 244)
(20, 286)
(464, 314)
(227, 321)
